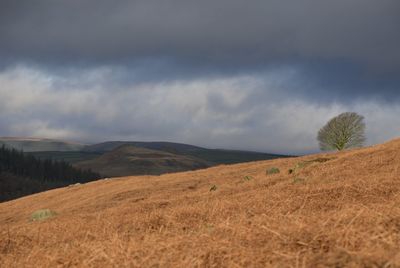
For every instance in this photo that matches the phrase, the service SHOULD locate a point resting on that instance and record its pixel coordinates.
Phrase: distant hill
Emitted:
(91, 155)
(39, 145)
(216, 156)
(163, 146)
(130, 160)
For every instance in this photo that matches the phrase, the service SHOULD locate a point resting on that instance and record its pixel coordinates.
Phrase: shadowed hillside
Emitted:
(75, 152)
(216, 156)
(129, 160)
(162, 146)
(330, 210)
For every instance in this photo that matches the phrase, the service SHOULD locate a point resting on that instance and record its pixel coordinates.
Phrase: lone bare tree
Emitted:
(342, 132)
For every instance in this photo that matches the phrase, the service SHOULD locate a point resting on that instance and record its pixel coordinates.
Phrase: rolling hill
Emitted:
(329, 210)
(131, 160)
(91, 155)
(39, 145)
(162, 146)
(216, 156)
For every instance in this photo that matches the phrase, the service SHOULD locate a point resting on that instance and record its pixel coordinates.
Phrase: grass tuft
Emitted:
(247, 178)
(273, 170)
(213, 188)
(42, 214)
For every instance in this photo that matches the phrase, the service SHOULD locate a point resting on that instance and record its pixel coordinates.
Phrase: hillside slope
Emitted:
(156, 145)
(129, 160)
(333, 210)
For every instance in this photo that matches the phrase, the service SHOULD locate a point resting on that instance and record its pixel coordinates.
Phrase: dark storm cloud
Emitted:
(222, 33)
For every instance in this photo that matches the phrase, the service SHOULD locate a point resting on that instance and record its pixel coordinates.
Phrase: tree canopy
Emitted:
(344, 131)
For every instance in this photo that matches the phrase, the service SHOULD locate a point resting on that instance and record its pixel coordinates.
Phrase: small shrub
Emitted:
(213, 188)
(42, 214)
(273, 170)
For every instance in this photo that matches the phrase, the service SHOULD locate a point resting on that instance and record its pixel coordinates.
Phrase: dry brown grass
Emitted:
(344, 212)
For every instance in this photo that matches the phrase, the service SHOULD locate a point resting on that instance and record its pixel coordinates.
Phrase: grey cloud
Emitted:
(244, 112)
(343, 47)
(222, 32)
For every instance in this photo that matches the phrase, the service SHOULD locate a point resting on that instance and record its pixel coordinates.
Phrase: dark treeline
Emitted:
(22, 165)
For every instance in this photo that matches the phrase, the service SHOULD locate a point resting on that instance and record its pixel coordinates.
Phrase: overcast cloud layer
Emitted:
(258, 75)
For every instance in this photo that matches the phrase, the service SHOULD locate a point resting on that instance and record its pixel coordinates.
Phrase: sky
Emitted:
(261, 75)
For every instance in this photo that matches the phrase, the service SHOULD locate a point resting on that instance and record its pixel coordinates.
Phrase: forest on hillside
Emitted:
(22, 174)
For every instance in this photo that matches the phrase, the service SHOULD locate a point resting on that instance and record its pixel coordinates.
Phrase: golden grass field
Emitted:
(344, 212)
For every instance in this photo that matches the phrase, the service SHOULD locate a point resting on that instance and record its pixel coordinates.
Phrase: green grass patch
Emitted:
(273, 170)
(42, 214)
